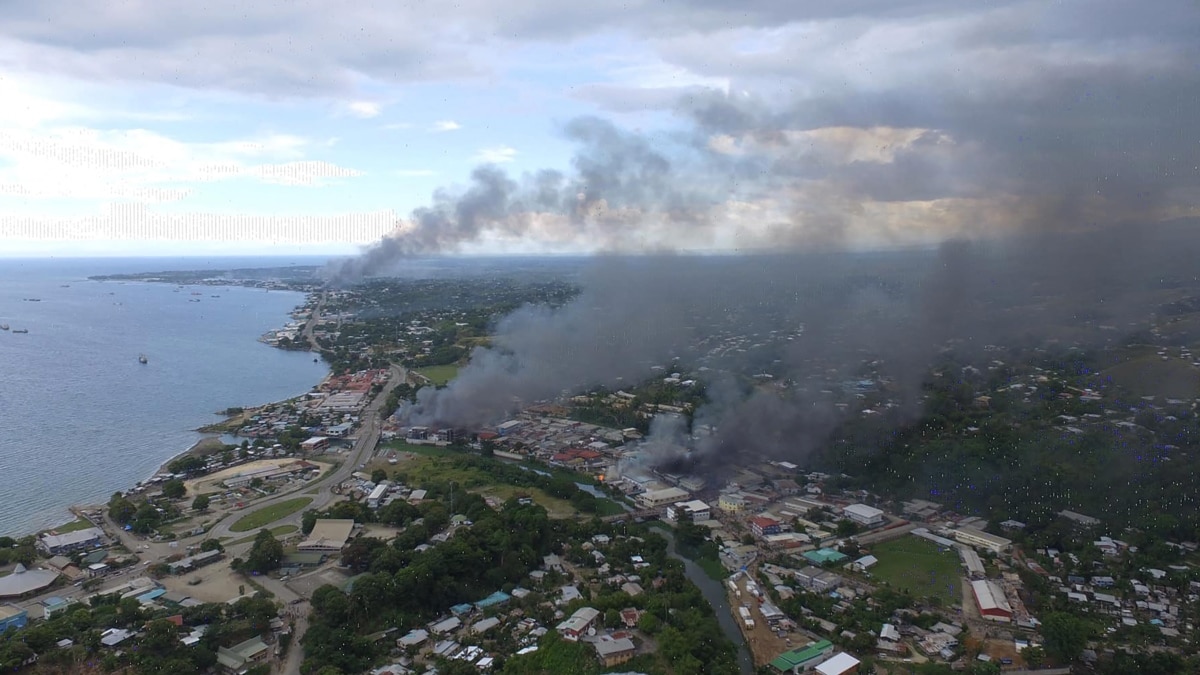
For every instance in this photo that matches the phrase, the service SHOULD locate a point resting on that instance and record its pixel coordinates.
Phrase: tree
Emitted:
(1034, 656)
(1065, 636)
(121, 509)
(200, 503)
(174, 489)
(265, 554)
(847, 528)
(211, 545)
(378, 476)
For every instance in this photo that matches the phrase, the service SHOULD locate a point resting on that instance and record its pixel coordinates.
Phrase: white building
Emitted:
(697, 509)
(862, 514)
(980, 539)
(657, 498)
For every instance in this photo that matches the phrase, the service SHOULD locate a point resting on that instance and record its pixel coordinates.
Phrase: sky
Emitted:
(141, 127)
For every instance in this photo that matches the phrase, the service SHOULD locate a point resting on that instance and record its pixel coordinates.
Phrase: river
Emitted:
(714, 592)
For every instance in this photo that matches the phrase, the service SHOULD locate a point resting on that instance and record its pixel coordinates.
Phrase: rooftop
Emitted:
(24, 580)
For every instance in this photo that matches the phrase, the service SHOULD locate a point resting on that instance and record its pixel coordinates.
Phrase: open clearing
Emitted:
(439, 375)
(278, 531)
(920, 567)
(211, 483)
(428, 464)
(270, 514)
(217, 583)
(1146, 375)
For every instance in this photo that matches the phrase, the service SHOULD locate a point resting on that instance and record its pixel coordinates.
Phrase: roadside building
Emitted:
(867, 516)
(238, 658)
(802, 659)
(865, 563)
(980, 539)
(971, 561)
(12, 617)
(190, 563)
(315, 444)
(53, 605)
(328, 535)
(614, 651)
(79, 540)
(990, 599)
(656, 498)
(731, 503)
(824, 556)
(23, 581)
(764, 525)
(841, 664)
(695, 508)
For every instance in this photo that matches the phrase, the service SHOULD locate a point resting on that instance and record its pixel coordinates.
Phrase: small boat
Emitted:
(142, 359)
(33, 299)
(21, 330)
(3, 326)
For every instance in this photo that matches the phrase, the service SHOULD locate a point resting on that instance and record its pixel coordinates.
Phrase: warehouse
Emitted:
(991, 601)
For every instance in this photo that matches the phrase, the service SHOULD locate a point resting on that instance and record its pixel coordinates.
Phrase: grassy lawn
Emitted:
(258, 519)
(439, 375)
(73, 526)
(914, 564)
(277, 531)
(713, 568)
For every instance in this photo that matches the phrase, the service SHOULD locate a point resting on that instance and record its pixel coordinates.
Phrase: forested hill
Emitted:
(1025, 442)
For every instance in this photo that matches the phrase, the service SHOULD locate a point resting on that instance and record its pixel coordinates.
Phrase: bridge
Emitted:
(645, 514)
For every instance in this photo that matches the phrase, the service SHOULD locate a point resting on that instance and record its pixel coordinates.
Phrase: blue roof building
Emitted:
(13, 617)
(497, 598)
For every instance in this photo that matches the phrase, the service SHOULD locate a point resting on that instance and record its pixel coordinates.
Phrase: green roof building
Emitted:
(794, 661)
(824, 556)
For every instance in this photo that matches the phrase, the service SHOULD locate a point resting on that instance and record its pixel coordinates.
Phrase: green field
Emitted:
(73, 526)
(918, 566)
(258, 519)
(277, 531)
(439, 375)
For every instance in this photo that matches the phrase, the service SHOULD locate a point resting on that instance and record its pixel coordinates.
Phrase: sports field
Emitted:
(918, 566)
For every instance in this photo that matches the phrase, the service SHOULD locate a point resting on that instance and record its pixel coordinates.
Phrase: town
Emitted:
(326, 532)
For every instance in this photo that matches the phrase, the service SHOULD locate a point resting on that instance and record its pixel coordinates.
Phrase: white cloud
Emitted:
(310, 173)
(499, 154)
(364, 109)
(446, 125)
(145, 166)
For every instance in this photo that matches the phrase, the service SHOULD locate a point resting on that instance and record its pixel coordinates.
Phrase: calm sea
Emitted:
(80, 418)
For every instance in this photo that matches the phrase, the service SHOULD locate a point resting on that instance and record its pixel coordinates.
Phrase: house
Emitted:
(445, 626)
(578, 624)
(763, 525)
(990, 599)
(12, 617)
(614, 651)
(414, 638)
(867, 516)
(865, 563)
(841, 664)
(79, 540)
(114, 636)
(1079, 519)
(235, 659)
(630, 616)
(483, 626)
(632, 589)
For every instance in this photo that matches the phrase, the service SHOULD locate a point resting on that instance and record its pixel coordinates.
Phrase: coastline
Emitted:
(203, 446)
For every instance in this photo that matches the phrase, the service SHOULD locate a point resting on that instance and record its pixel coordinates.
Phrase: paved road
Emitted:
(313, 318)
(371, 422)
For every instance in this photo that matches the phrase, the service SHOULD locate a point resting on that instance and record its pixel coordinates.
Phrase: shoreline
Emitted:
(201, 447)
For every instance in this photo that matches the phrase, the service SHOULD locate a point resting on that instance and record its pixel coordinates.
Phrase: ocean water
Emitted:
(81, 418)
